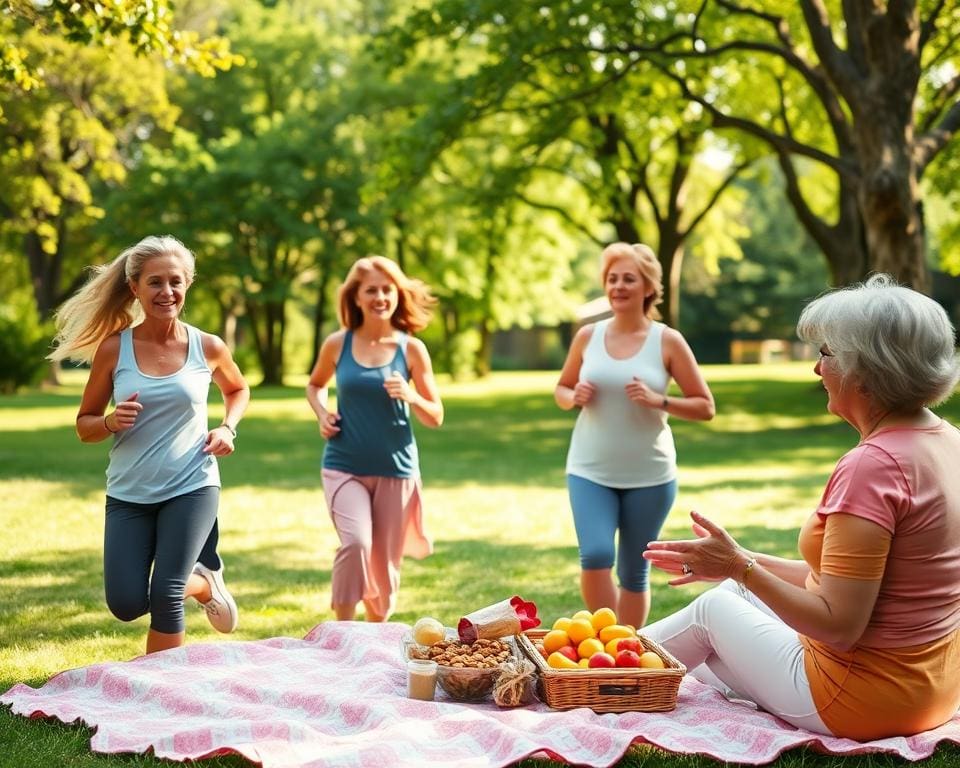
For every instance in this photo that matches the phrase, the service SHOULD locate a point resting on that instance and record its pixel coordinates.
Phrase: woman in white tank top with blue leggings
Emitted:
(621, 467)
(163, 483)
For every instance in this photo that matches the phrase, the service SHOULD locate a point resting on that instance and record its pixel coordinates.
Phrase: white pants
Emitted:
(739, 646)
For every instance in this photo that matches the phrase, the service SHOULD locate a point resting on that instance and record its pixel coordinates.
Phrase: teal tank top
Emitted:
(161, 455)
(376, 437)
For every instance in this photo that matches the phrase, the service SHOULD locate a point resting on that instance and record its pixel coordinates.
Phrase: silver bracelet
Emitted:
(742, 583)
(230, 429)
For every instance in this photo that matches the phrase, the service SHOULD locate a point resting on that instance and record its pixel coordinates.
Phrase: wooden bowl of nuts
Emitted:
(465, 671)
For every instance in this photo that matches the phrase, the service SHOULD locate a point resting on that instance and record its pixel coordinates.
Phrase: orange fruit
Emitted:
(584, 614)
(562, 623)
(559, 661)
(588, 647)
(615, 630)
(554, 640)
(603, 617)
(580, 630)
(651, 660)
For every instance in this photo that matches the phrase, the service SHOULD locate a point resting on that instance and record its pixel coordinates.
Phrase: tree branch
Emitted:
(929, 145)
(644, 178)
(715, 197)
(561, 212)
(837, 64)
(821, 232)
(901, 12)
(678, 176)
(946, 51)
(643, 166)
(813, 75)
(943, 98)
(929, 25)
(779, 143)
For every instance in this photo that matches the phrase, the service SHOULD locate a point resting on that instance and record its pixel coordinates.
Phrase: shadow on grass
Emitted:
(60, 593)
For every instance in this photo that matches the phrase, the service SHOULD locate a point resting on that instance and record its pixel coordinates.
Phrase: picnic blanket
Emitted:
(337, 699)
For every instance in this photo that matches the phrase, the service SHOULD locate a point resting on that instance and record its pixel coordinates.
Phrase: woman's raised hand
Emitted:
(125, 414)
(329, 424)
(398, 387)
(583, 393)
(713, 556)
(638, 392)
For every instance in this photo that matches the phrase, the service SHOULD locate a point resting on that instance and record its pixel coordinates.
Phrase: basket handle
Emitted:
(618, 690)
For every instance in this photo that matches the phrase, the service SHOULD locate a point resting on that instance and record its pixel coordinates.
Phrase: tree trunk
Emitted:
(670, 254)
(884, 119)
(273, 370)
(482, 365)
(266, 320)
(889, 200)
(45, 272)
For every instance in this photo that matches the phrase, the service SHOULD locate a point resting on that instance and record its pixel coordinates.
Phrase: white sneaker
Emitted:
(221, 608)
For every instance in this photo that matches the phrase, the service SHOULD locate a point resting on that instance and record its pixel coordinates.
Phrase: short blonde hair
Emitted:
(105, 304)
(896, 343)
(415, 302)
(646, 262)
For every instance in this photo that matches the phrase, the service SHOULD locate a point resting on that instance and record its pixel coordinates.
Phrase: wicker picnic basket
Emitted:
(606, 690)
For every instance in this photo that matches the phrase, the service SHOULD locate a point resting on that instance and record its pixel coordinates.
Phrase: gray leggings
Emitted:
(169, 536)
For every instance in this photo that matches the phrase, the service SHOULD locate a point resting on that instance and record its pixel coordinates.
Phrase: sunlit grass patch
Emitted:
(495, 504)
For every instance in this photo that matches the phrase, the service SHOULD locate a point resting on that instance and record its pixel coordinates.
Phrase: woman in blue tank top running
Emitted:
(621, 466)
(163, 483)
(371, 468)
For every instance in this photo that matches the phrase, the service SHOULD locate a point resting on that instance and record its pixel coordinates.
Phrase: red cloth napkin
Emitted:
(508, 617)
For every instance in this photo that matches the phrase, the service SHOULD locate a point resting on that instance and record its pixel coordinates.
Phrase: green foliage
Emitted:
(761, 294)
(56, 142)
(147, 25)
(259, 175)
(24, 342)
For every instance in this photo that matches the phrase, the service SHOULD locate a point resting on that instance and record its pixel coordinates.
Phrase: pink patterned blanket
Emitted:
(336, 699)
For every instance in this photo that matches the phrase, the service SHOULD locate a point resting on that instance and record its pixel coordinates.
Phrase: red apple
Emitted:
(630, 644)
(570, 652)
(602, 660)
(628, 659)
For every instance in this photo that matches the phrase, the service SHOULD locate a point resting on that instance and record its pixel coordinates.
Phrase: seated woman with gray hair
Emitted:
(860, 638)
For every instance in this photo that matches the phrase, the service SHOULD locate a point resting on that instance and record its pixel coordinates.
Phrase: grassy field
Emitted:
(496, 507)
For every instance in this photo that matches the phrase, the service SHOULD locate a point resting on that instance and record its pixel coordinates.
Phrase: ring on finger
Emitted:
(685, 569)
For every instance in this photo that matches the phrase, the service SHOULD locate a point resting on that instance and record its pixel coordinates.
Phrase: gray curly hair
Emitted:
(896, 343)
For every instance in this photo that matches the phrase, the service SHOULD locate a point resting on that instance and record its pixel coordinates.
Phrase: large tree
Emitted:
(59, 142)
(259, 176)
(868, 89)
(621, 134)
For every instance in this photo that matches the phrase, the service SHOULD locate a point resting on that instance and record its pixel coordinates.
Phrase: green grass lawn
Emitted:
(496, 507)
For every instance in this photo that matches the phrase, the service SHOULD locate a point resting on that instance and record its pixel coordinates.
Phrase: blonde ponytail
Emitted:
(105, 304)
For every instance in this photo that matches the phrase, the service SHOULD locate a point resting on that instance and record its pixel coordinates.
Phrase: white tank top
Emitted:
(161, 455)
(615, 442)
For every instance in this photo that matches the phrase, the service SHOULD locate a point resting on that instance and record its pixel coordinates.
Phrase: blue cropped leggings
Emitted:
(599, 512)
(168, 538)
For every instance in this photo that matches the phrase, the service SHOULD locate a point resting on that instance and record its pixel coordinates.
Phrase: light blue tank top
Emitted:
(376, 437)
(161, 455)
(616, 442)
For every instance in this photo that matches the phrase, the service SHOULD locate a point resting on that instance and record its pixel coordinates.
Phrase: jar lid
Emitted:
(422, 666)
